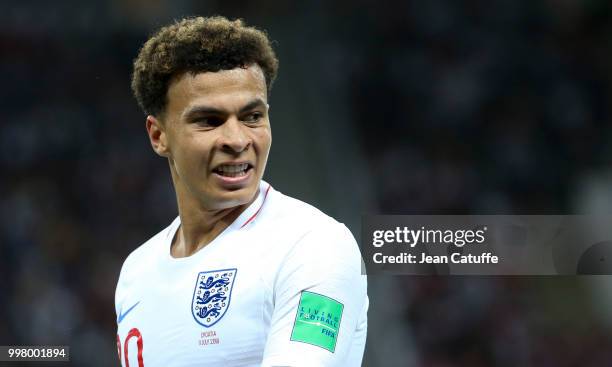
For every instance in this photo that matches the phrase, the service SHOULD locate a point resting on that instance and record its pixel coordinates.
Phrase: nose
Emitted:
(233, 137)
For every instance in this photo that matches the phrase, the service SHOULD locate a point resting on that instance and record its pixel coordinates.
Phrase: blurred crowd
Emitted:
(493, 107)
(471, 107)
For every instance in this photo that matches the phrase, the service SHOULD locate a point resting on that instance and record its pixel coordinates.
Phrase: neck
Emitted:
(199, 225)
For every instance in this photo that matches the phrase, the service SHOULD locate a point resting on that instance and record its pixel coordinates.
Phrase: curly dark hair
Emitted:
(197, 45)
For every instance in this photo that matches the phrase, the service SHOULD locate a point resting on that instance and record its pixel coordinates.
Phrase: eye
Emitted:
(208, 121)
(253, 117)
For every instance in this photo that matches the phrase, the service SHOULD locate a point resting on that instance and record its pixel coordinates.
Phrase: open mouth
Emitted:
(233, 170)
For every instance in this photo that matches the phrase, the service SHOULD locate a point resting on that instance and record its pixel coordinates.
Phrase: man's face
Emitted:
(216, 135)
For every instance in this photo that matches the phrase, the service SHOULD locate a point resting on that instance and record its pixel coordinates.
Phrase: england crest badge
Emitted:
(211, 296)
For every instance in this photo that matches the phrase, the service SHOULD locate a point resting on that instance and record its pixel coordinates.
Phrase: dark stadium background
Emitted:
(415, 107)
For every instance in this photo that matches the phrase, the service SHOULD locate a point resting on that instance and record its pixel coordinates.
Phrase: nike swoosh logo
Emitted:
(123, 315)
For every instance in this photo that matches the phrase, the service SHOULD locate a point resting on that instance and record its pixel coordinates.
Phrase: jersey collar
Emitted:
(253, 210)
(243, 220)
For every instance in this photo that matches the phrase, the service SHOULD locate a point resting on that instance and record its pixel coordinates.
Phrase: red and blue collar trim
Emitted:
(258, 209)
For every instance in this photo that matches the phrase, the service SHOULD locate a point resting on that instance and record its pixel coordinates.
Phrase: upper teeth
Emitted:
(233, 168)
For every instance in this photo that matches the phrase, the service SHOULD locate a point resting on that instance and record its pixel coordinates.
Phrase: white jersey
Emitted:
(281, 286)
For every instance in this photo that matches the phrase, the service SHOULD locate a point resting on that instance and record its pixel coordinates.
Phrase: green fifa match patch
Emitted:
(317, 321)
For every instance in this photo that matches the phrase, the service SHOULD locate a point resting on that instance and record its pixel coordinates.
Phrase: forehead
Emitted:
(224, 89)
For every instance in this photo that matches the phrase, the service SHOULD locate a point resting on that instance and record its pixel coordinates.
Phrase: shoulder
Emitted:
(293, 215)
(318, 239)
(145, 254)
(327, 249)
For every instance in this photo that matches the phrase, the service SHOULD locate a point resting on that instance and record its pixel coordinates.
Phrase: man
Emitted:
(244, 276)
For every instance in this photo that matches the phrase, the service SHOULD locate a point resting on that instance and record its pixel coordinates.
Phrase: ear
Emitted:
(157, 136)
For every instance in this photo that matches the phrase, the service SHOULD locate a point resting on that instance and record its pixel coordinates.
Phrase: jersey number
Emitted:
(134, 333)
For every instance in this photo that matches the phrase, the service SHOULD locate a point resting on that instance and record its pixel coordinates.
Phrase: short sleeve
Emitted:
(320, 303)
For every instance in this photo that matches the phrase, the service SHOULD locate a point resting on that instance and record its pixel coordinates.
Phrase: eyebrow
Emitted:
(196, 110)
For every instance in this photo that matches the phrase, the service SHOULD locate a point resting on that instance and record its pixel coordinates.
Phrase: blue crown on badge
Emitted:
(211, 296)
